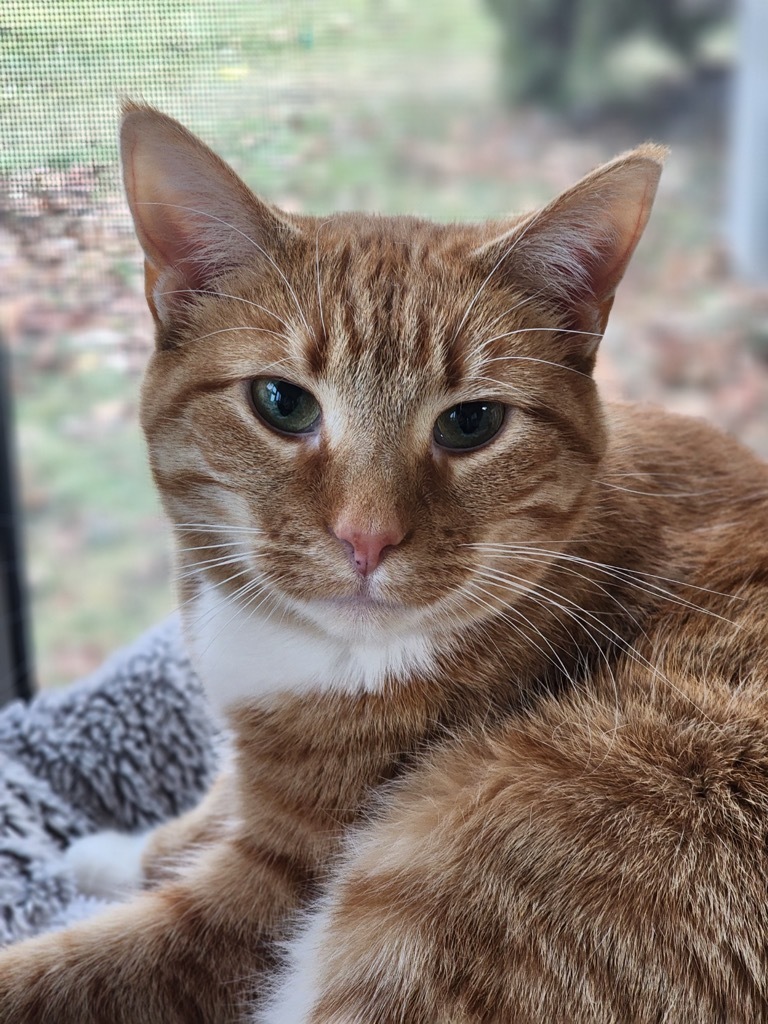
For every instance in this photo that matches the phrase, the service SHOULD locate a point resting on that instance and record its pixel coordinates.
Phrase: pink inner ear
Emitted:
(183, 246)
(579, 246)
(622, 233)
(194, 217)
(599, 269)
(181, 229)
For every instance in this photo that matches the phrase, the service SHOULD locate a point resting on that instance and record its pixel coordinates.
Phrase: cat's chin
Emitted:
(351, 645)
(360, 617)
(361, 603)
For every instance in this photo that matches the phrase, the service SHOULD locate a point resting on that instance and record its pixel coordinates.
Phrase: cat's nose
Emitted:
(367, 548)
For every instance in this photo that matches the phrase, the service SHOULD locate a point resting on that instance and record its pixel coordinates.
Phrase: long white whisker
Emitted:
(517, 238)
(317, 274)
(219, 583)
(193, 568)
(251, 241)
(498, 612)
(469, 594)
(533, 359)
(209, 547)
(259, 585)
(540, 330)
(634, 577)
(217, 528)
(230, 330)
(532, 593)
(512, 309)
(660, 494)
(208, 614)
(235, 298)
(477, 378)
(597, 625)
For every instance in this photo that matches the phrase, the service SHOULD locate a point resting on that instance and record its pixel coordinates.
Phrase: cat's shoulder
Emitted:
(659, 438)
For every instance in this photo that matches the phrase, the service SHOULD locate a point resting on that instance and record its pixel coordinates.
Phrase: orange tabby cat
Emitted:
(494, 655)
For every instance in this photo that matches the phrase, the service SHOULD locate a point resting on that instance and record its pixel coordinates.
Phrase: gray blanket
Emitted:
(125, 749)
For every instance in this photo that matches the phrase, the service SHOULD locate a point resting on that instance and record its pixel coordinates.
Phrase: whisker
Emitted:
(229, 330)
(258, 585)
(581, 615)
(634, 577)
(577, 641)
(545, 330)
(317, 274)
(193, 569)
(205, 616)
(235, 298)
(251, 241)
(477, 378)
(208, 547)
(512, 309)
(554, 657)
(543, 362)
(217, 528)
(260, 579)
(661, 494)
(517, 238)
(215, 584)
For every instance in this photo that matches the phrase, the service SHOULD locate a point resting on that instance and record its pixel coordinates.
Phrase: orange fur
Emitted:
(519, 769)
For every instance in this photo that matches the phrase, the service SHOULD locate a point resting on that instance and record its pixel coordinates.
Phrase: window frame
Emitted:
(15, 653)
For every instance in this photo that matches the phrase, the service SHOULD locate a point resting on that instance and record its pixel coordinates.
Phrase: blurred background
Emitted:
(446, 108)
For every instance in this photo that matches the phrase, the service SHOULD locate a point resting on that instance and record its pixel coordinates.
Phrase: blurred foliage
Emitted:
(578, 55)
(65, 63)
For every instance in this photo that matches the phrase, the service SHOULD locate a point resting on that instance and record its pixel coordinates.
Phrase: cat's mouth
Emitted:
(360, 615)
(363, 602)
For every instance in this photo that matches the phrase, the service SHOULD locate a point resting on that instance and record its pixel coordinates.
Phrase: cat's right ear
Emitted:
(194, 217)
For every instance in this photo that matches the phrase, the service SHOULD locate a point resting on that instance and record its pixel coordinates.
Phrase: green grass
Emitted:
(65, 64)
(97, 553)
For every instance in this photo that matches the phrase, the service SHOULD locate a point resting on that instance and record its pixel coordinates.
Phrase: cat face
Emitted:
(354, 420)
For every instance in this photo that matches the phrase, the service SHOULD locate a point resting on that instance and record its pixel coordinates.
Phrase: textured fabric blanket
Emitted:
(124, 749)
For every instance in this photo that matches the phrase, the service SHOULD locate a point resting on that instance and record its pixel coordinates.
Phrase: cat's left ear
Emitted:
(577, 248)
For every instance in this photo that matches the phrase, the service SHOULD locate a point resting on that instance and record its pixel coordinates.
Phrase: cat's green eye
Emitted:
(284, 406)
(468, 425)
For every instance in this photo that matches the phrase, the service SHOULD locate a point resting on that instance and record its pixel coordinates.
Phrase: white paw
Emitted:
(107, 863)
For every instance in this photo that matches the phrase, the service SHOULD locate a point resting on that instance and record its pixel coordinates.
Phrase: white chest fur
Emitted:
(242, 654)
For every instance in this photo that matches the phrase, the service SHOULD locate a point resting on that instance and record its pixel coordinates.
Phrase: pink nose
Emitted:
(368, 548)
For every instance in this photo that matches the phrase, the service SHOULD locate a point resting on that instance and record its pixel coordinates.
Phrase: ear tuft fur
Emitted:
(577, 248)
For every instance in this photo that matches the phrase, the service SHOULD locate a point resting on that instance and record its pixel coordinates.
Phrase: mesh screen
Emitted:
(66, 64)
(71, 307)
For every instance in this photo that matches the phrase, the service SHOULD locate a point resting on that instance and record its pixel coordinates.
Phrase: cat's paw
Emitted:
(108, 863)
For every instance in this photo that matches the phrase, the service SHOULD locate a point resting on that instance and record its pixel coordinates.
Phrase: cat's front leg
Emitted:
(189, 952)
(113, 864)
(589, 863)
(409, 924)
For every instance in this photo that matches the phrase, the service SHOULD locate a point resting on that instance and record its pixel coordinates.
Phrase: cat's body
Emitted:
(500, 714)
